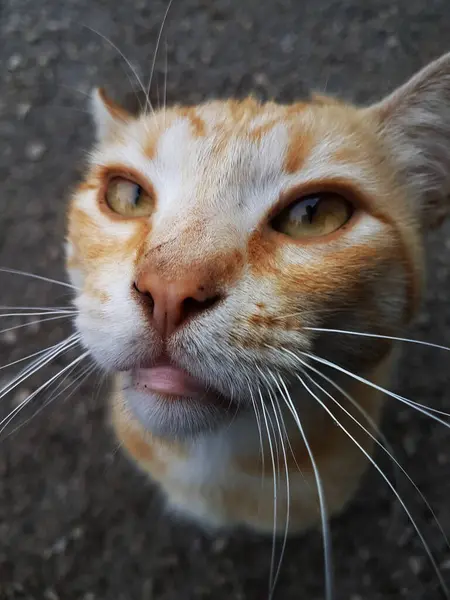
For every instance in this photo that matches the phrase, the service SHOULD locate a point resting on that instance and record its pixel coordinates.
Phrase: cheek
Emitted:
(260, 315)
(110, 321)
(360, 287)
(106, 299)
(107, 288)
(73, 267)
(95, 240)
(338, 276)
(101, 255)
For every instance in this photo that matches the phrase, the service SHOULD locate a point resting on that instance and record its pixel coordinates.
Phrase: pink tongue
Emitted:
(167, 380)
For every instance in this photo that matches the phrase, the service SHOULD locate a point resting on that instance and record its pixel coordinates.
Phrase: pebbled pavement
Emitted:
(77, 522)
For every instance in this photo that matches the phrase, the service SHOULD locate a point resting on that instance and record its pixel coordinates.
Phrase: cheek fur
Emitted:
(110, 320)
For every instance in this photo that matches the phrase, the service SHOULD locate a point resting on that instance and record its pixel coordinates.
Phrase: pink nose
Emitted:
(172, 303)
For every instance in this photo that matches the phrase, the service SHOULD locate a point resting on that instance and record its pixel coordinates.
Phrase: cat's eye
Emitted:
(313, 216)
(128, 198)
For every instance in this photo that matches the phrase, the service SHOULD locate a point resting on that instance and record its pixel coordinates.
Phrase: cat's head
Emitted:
(205, 241)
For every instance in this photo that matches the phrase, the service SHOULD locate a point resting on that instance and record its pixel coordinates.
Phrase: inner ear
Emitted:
(108, 115)
(414, 121)
(135, 103)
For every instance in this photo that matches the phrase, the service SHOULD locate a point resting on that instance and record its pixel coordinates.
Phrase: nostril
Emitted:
(192, 307)
(143, 292)
(147, 295)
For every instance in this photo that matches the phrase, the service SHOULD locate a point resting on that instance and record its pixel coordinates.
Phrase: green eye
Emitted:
(313, 216)
(128, 198)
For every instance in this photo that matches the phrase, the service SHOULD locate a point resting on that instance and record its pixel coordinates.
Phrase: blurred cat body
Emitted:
(187, 278)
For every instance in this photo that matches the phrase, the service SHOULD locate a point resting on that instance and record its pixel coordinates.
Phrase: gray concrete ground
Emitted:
(76, 520)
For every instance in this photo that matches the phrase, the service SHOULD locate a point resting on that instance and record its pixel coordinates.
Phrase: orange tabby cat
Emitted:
(213, 246)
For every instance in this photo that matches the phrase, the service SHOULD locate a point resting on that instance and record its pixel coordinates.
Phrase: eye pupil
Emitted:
(311, 210)
(137, 194)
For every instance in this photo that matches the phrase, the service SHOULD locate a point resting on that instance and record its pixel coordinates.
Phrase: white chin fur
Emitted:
(181, 417)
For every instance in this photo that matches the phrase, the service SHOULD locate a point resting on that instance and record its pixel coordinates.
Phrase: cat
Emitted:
(244, 271)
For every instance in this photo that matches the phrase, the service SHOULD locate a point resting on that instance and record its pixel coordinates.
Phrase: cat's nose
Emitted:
(172, 303)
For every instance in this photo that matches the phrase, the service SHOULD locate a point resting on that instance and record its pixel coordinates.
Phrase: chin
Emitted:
(175, 416)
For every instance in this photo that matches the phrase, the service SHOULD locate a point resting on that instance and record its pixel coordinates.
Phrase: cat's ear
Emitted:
(415, 122)
(108, 116)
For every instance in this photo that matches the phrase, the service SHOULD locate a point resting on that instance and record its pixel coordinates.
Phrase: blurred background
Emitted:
(77, 521)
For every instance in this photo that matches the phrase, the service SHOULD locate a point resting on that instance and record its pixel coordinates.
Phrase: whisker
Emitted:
(86, 373)
(71, 109)
(125, 59)
(288, 492)
(28, 324)
(39, 363)
(59, 383)
(258, 423)
(378, 336)
(73, 89)
(27, 400)
(276, 446)
(83, 375)
(275, 495)
(19, 360)
(294, 458)
(384, 446)
(34, 276)
(155, 54)
(44, 309)
(419, 407)
(306, 312)
(36, 366)
(165, 84)
(326, 535)
(375, 464)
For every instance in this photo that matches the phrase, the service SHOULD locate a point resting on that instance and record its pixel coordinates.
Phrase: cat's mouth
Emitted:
(169, 401)
(165, 379)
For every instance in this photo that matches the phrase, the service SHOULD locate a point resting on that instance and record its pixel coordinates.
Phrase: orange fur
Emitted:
(219, 173)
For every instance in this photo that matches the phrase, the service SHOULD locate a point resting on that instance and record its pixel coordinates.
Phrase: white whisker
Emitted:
(18, 408)
(29, 323)
(327, 548)
(34, 276)
(39, 363)
(85, 373)
(165, 85)
(374, 463)
(275, 494)
(375, 335)
(419, 407)
(19, 360)
(276, 447)
(124, 58)
(44, 309)
(36, 366)
(384, 446)
(155, 54)
(288, 491)
(258, 423)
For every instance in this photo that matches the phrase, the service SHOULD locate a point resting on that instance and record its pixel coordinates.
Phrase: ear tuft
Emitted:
(415, 121)
(108, 116)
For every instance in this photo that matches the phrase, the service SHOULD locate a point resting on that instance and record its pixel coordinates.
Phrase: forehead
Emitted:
(237, 157)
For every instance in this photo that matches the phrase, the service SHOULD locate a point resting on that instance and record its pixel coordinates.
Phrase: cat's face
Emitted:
(205, 241)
